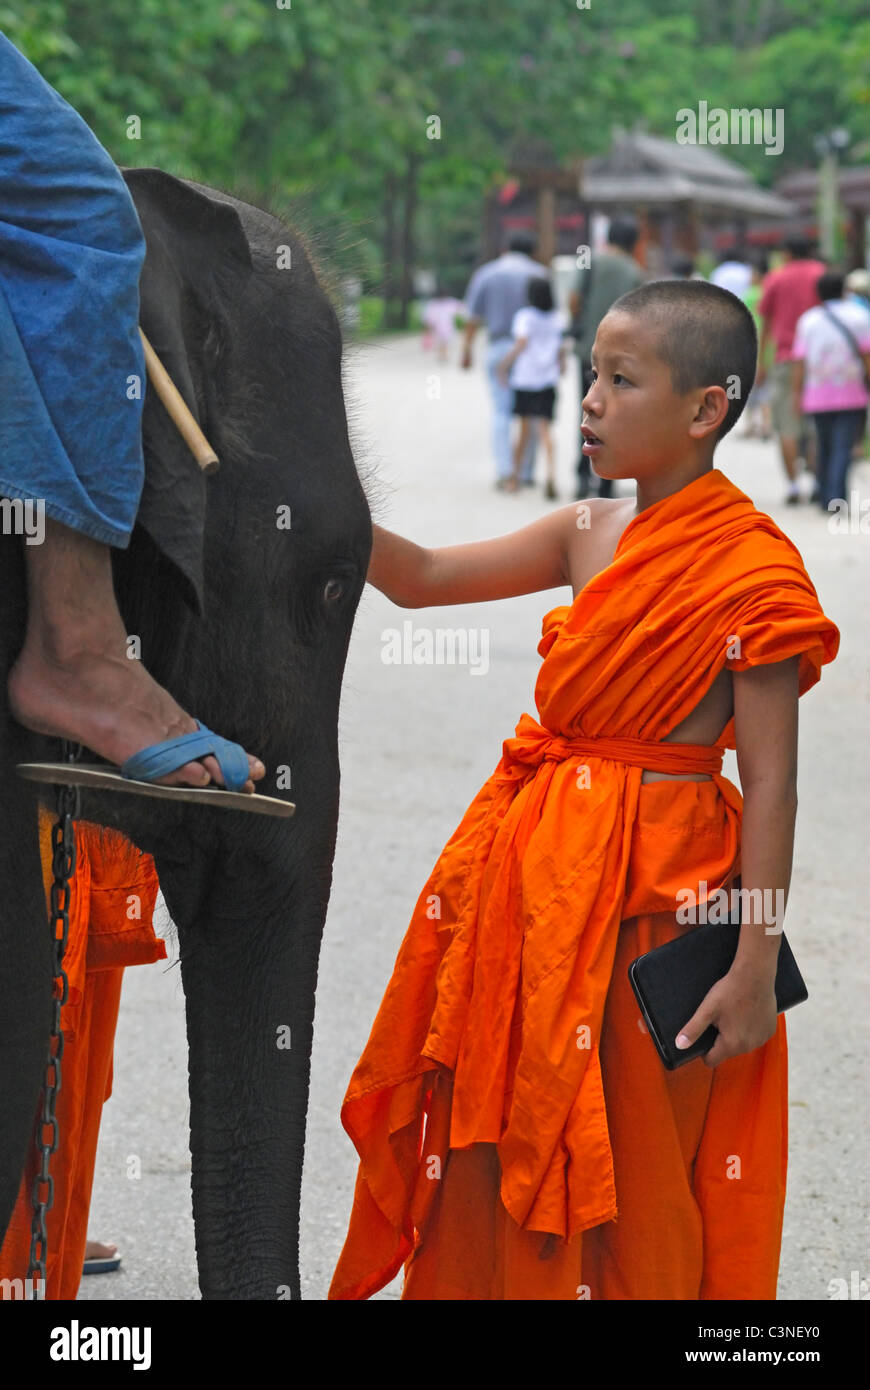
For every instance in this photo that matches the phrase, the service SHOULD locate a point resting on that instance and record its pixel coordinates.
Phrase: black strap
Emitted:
(852, 341)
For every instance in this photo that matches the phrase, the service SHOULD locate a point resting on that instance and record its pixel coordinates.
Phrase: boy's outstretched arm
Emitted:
(522, 562)
(742, 1005)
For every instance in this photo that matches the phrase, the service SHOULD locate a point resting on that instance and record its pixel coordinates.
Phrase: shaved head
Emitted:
(706, 336)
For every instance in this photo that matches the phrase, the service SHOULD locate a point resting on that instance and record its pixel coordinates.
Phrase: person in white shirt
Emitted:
(731, 274)
(532, 369)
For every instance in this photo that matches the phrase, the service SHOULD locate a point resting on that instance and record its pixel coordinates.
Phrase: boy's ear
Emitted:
(711, 411)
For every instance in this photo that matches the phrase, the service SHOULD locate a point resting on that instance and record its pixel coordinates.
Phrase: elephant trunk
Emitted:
(249, 986)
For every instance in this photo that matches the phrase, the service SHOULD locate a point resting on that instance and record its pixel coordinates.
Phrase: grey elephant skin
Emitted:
(247, 622)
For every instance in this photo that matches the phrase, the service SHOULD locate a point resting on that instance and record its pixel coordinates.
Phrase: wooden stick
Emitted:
(179, 411)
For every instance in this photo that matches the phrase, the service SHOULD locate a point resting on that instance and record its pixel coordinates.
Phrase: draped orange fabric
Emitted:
(517, 1133)
(110, 926)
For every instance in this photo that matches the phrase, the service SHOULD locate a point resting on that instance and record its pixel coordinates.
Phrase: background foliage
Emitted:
(325, 106)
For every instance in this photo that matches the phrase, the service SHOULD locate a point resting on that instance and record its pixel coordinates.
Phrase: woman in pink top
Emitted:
(831, 355)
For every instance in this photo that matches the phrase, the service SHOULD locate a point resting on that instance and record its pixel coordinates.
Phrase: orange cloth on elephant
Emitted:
(110, 926)
(518, 1135)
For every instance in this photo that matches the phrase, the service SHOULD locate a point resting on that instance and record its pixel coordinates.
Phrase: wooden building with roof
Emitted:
(686, 198)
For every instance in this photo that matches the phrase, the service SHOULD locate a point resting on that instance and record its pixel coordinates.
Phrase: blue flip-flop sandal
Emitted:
(138, 773)
(104, 1264)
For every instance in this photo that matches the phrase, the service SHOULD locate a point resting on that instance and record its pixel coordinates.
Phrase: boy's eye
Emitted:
(617, 376)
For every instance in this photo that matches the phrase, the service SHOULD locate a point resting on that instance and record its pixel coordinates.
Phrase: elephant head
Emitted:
(242, 588)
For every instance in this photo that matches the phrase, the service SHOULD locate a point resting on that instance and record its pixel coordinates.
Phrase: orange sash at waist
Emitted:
(533, 744)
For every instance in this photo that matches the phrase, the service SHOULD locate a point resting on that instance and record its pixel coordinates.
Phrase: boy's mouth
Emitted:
(590, 439)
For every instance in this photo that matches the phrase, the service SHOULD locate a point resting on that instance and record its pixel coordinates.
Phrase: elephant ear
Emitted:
(194, 240)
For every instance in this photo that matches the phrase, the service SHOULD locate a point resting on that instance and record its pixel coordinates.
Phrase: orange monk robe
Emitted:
(518, 1135)
(111, 908)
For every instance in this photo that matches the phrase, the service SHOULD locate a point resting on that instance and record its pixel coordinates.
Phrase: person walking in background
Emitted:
(858, 286)
(439, 320)
(831, 372)
(786, 294)
(532, 369)
(495, 292)
(612, 273)
(732, 273)
(758, 404)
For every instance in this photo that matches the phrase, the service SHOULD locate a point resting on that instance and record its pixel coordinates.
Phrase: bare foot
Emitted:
(96, 1250)
(73, 678)
(110, 704)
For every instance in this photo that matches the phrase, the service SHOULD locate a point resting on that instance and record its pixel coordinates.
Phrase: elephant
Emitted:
(242, 588)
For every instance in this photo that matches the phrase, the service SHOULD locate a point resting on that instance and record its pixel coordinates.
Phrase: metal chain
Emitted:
(63, 864)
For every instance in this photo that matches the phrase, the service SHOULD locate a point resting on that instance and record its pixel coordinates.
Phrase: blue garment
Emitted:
(502, 409)
(836, 433)
(72, 369)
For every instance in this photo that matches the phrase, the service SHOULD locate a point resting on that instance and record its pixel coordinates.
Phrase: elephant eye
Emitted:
(333, 590)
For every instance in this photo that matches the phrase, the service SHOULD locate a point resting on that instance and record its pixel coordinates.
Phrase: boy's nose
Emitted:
(590, 400)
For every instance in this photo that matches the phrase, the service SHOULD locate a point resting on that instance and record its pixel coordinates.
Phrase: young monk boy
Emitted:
(519, 1137)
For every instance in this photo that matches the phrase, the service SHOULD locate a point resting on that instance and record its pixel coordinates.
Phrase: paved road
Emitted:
(416, 743)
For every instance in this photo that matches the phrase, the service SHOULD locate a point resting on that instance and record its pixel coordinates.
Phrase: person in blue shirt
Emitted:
(495, 292)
